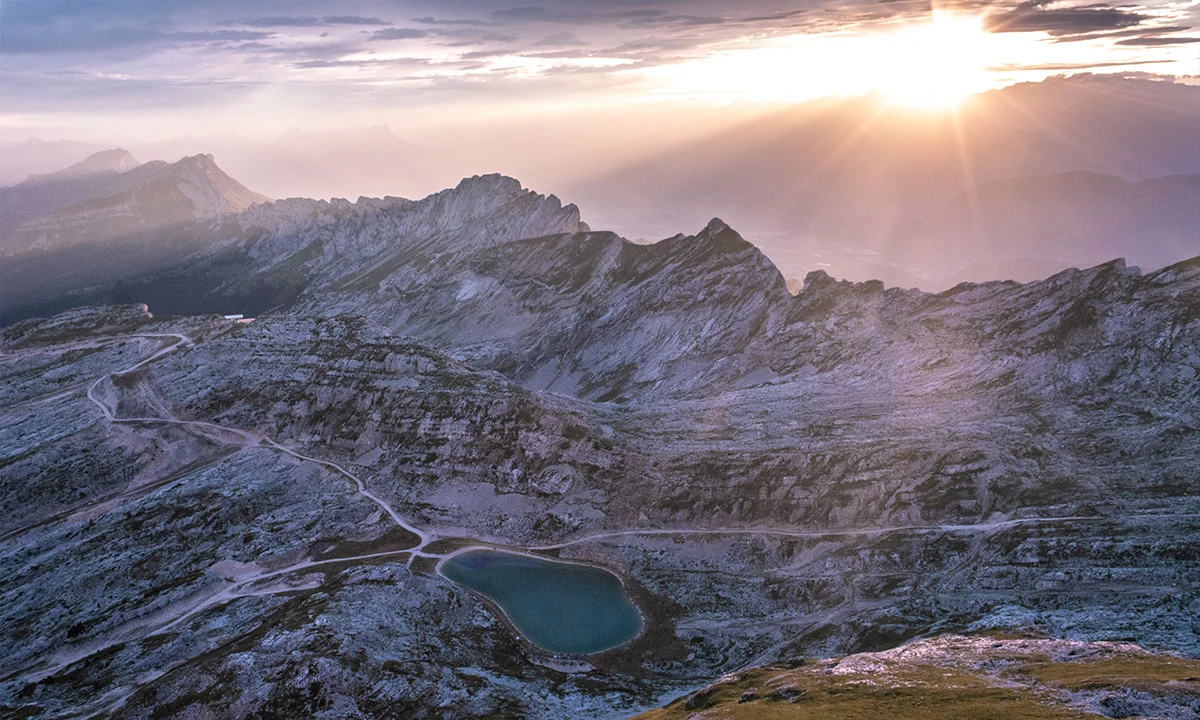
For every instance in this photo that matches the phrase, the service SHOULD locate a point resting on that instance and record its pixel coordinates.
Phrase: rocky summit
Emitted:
(208, 517)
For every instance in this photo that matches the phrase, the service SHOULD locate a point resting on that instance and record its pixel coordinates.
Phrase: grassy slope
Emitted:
(950, 678)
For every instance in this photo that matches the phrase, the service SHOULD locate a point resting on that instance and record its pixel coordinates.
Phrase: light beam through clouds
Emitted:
(168, 67)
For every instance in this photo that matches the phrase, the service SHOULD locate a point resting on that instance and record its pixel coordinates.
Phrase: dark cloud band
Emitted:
(1035, 17)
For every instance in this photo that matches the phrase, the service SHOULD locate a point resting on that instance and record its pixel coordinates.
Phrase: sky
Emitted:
(153, 69)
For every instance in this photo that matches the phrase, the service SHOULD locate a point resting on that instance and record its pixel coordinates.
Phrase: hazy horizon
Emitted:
(828, 132)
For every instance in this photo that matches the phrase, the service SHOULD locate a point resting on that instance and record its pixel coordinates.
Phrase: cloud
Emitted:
(1064, 67)
(277, 21)
(1141, 31)
(527, 14)
(473, 38)
(353, 20)
(306, 21)
(276, 44)
(485, 54)
(642, 13)
(560, 39)
(398, 34)
(17, 40)
(1154, 41)
(668, 14)
(430, 20)
(215, 36)
(389, 62)
(1034, 16)
(684, 21)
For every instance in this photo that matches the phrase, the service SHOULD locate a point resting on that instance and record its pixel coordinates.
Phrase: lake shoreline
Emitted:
(568, 605)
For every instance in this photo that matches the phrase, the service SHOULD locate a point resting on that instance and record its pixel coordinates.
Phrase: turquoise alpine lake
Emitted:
(563, 608)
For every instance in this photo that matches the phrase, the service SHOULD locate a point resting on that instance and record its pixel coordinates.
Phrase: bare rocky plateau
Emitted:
(776, 476)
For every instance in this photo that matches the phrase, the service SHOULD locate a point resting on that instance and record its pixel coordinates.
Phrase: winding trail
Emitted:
(232, 592)
(994, 526)
(250, 438)
(65, 657)
(424, 536)
(91, 391)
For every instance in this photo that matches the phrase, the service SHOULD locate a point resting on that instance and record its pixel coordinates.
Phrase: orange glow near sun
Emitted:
(932, 63)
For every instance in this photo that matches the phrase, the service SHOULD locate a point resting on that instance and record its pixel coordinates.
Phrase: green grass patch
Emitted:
(915, 693)
(1156, 674)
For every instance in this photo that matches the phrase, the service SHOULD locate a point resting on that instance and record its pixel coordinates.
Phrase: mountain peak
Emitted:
(480, 195)
(719, 236)
(716, 225)
(818, 278)
(490, 184)
(105, 162)
(208, 187)
(65, 209)
(203, 160)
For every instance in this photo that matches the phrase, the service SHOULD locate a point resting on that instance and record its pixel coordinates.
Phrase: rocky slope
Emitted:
(772, 475)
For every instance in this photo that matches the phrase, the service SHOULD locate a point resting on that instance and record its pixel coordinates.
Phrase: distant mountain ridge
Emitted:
(348, 162)
(514, 281)
(42, 195)
(97, 225)
(105, 162)
(35, 156)
(858, 186)
(109, 195)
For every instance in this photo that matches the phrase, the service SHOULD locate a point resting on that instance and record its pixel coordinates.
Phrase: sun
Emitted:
(933, 64)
